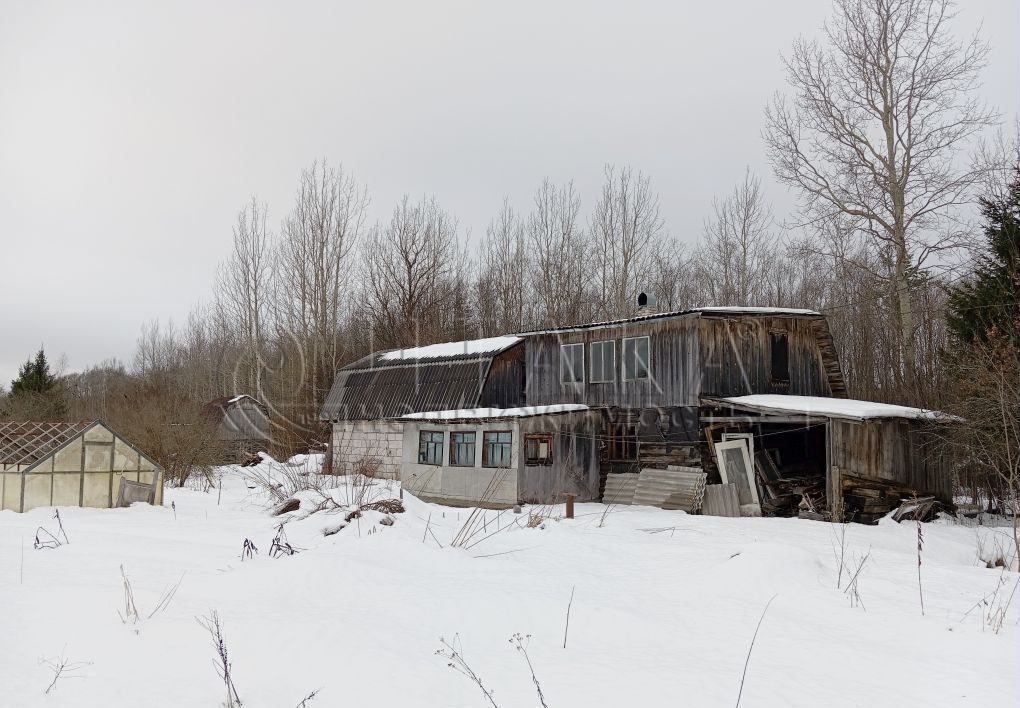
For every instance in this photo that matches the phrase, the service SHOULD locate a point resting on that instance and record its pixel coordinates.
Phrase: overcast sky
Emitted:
(131, 133)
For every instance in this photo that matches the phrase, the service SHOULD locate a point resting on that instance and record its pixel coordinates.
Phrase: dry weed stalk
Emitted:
(46, 539)
(457, 662)
(212, 625)
(520, 643)
(62, 668)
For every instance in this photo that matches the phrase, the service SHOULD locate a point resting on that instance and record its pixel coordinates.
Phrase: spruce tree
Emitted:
(987, 305)
(34, 376)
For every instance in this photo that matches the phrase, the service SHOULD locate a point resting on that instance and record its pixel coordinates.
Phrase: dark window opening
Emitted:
(462, 449)
(430, 447)
(538, 450)
(780, 357)
(623, 442)
(496, 448)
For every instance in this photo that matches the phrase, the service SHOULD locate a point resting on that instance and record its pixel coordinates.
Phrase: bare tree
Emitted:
(625, 228)
(672, 278)
(409, 261)
(504, 305)
(873, 131)
(315, 270)
(561, 255)
(244, 284)
(739, 246)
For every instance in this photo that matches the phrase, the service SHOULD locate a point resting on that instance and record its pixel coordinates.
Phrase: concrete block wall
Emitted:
(357, 440)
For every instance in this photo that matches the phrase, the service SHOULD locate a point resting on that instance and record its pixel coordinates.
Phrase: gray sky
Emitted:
(131, 133)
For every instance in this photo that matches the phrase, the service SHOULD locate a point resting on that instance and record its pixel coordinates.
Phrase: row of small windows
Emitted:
(602, 356)
(496, 448)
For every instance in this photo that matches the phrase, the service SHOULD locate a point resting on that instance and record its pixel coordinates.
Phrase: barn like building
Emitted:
(744, 409)
(73, 464)
(242, 425)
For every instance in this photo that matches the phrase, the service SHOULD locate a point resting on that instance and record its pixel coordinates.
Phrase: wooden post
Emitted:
(570, 506)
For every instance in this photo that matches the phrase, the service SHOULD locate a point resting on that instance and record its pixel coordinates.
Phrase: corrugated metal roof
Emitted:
(26, 443)
(391, 391)
(400, 381)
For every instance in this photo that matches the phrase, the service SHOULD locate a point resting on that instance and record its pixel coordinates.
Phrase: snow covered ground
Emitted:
(664, 607)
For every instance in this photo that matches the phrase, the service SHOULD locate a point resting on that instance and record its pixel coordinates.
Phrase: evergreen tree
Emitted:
(34, 376)
(987, 305)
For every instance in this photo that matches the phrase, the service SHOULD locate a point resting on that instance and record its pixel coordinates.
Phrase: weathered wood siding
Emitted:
(575, 466)
(900, 452)
(504, 385)
(735, 356)
(690, 357)
(244, 420)
(674, 366)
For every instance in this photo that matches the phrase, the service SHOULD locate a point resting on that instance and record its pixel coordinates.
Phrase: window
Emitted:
(780, 357)
(623, 442)
(430, 447)
(635, 358)
(538, 450)
(572, 363)
(462, 449)
(603, 362)
(496, 448)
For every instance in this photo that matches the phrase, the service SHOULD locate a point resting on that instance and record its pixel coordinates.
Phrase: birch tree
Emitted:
(316, 263)
(625, 228)
(243, 291)
(504, 305)
(740, 247)
(561, 256)
(878, 115)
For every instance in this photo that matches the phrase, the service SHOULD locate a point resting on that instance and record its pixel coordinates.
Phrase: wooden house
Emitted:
(651, 392)
(242, 425)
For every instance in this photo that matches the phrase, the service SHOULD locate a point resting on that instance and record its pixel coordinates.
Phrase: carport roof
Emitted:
(823, 407)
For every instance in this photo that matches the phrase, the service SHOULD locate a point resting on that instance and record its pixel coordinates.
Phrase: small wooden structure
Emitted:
(72, 464)
(242, 425)
(868, 456)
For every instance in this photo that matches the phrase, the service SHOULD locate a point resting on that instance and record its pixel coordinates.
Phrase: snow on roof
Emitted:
(680, 313)
(830, 407)
(759, 310)
(479, 413)
(447, 349)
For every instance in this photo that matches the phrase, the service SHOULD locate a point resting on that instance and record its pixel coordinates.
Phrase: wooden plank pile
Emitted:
(788, 495)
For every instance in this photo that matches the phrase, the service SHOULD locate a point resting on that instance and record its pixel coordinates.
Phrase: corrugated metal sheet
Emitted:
(676, 488)
(365, 394)
(620, 488)
(372, 387)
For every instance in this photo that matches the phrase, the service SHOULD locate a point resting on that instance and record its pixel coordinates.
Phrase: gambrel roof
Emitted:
(389, 384)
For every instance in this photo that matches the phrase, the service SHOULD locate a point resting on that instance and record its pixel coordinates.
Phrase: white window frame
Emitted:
(591, 360)
(730, 476)
(623, 358)
(563, 364)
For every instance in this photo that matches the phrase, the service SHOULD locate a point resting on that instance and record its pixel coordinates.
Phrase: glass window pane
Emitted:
(462, 449)
(430, 447)
(497, 449)
(603, 361)
(635, 358)
(572, 363)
